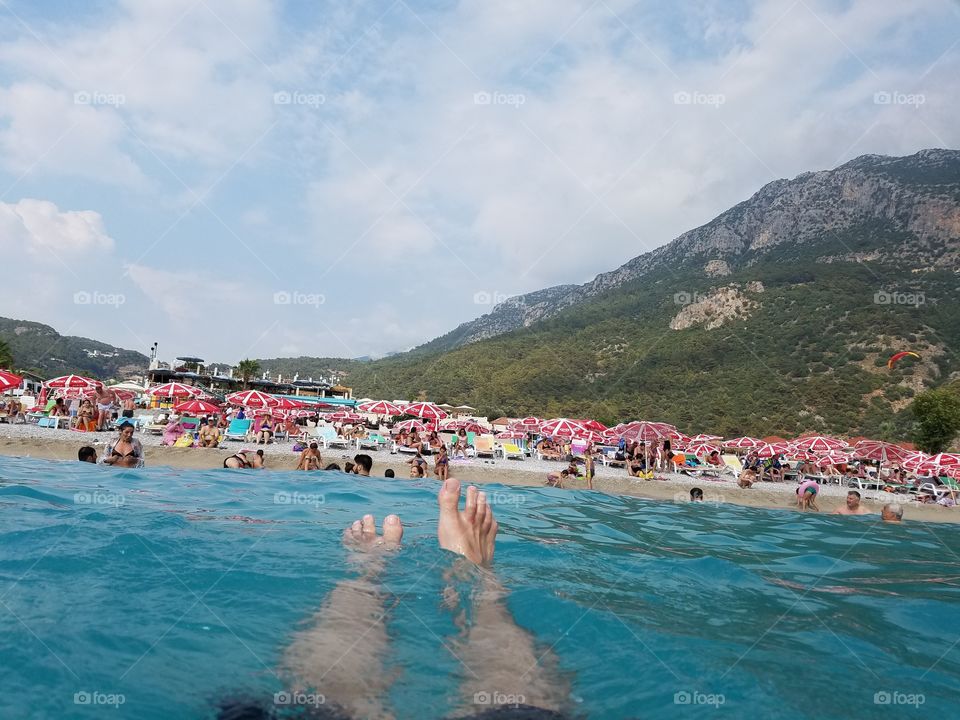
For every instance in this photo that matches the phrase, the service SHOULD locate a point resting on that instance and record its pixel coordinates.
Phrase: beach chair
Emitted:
(578, 448)
(328, 438)
(732, 464)
(484, 446)
(512, 452)
(373, 441)
(609, 458)
(190, 424)
(238, 430)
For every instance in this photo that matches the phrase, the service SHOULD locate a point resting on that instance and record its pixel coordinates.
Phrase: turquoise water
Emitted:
(176, 588)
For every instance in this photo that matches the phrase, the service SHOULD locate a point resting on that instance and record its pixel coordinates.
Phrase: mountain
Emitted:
(42, 349)
(777, 316)
(871, 194)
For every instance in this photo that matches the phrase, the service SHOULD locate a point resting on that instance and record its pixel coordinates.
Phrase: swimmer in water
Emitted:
(892, 513)
(343, 656)
(853, 506)
(126, 451)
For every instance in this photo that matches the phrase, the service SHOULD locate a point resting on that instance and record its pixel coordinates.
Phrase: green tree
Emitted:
(937, 414)
(6, 357)
(247, 369)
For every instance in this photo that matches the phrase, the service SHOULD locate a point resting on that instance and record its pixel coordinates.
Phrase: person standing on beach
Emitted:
(807, 495)
(104, 408)
(128, 407)
(588, 466)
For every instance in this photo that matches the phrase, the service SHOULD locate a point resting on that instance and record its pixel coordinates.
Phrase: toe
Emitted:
(369, 526)
(392, 529)
(449, 496)
(470, 507)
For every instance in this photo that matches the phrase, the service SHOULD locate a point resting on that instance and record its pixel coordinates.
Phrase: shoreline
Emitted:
(520, 473)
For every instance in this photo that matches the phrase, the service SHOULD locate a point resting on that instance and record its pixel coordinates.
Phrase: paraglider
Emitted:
(897, 356)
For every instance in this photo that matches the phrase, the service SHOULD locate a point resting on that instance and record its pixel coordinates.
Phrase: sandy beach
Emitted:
(49, 444)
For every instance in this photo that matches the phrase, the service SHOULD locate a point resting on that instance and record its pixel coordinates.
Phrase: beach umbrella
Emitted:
(594, 425)
(381, 407)
(646, 430)
(285, 403)
(73, 382)
(425, 411)
(937, 464)
(468, 425)
(833, 458)
(175, 390)
(123, 394)
(562, 427)
(196, 407)
(75, 393)
(703, 448)
(914, 461)
(530, 424)
(411, 425)
(766, 450)
(8, 380)
(883, 452)
(345, 416)
(252, 399)
(681, 441)
(743, 443)
(819, 444)
(705, 438)
(590, 436)
(511, 435)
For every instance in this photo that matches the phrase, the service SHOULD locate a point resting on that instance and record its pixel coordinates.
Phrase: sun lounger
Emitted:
(53, 422)
(374, 441)
(512, 452)
(609, 457)
(328, 438)
(733, 464)
(484, 446)
(238, 430)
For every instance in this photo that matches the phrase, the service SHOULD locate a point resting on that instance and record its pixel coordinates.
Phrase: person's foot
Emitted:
(362, 535)
(471, 532)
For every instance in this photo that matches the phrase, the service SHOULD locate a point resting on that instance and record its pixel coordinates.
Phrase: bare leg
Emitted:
(504, 668)
(341, 655)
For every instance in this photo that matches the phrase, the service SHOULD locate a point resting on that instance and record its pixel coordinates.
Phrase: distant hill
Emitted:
(777, 316)
(42, 349)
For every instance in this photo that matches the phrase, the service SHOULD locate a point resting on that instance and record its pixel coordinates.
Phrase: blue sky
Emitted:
(239, 178)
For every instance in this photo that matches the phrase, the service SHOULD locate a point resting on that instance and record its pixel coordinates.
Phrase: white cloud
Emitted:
(39, 228)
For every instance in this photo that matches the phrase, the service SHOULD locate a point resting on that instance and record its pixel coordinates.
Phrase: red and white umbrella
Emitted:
(75, 393)
(411, 425)
(702, 449)
(197, 407)
(595, 425)
(528, 424)
(73, 382)
(345, 416)
(914, 461)
(562, 427)
(767, 450)
(590, 436)
(425, 411)
(833, 458)
(285, 403)
(819, 444)
(938, 464)
(881, 451)
(381, 407)
(123, 394)
(708, 438)
(468, 425)
(743, 443)
(511, 435)
(9, 380)
(646, 430)
(252, 399)
(175, 390)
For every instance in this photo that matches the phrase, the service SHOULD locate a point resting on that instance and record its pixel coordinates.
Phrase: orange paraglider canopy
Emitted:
(897, 356)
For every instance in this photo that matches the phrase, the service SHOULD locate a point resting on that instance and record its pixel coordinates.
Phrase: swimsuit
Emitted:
(808, 486)
(243, 460)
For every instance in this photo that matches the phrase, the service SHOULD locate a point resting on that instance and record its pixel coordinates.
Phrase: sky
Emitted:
(257, 178)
